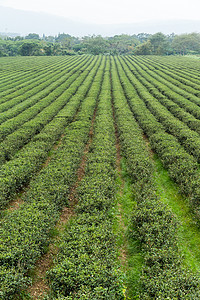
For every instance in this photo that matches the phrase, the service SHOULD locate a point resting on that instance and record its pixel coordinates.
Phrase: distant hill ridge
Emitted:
(24, 22)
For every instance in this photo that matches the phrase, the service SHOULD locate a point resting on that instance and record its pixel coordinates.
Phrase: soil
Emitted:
(40, 285)
(15, 204)
(123, 248)
(151, 152)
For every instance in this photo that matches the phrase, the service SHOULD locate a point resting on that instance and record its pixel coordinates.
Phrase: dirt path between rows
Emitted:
(123, 248)
(40, 285)
(18, 201)
(148, 146)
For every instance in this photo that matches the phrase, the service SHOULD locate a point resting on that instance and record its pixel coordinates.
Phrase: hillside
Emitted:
(24, 22)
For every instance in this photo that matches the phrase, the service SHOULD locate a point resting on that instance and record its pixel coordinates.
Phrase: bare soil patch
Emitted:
(151, 152)
(40, 285)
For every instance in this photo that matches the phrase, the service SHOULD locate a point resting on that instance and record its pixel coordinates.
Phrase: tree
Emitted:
(144, 49)
(50, 39)
(143, 37)
(186, 43)
(159, 43)
(122, 44)
(95, 45)
(18, 38)
(29, 48)
(48, 49)
(32, 36)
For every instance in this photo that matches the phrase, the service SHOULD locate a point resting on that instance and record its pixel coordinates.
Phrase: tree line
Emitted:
(65, 44)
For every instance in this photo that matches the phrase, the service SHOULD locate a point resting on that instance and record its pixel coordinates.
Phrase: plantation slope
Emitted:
(16, 173)
(152, 224)
(189, 139)
(176, 84)
(99, 178)
(40, 285)
(188, 231)
(34, 119)
(175, 75)
(44, 200)
(24, 81)
(182, 166)
(181, 64)
(181, 107)
(90, 271)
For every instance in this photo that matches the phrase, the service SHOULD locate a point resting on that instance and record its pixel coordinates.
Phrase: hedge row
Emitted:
(28, 83)
(38, 94)
(9, 83)
(40, 114)
(186, 78)
(18, 172)
(25, 233)
(13, 70)
(174, 81)
(183, 70)
(182, 167)
(153, 224)
(180, 107)
(188, 138)
(10, 109)
(86, 265)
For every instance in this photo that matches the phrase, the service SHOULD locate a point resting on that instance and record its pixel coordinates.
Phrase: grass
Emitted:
(188, 230)
(125, 204)
(195, 56)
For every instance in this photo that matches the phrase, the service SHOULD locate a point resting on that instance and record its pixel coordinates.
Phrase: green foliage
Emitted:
(18, 171)
(186, 43)
(32, 36)
(188, 231)
(159, 43)
(25, 233)
(144, 49)
(42, 98)
(95, 45)
(153, 224)
(86, 266)
(64, 44)
(183, 167)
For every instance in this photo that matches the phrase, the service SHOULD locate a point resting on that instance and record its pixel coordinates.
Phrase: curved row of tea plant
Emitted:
(182, 167)
(41, 94)
(152, 223)
(24, 105)
(20, 84)
(165, 96)
(14, 99)
(9, 75)
(17, 132)
(16, 74)
(19, 171)
(18, 64)
(174, 108)
(181, 62)
(86, 265)
(189, 139)
(176, 85)
(181, 69)
(173, 92)
(185, 80)
(25, 233)
(28, 82)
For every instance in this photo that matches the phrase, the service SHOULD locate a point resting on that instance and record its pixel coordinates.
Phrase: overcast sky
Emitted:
(112, 11)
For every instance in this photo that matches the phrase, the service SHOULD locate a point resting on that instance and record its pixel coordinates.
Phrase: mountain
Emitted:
(24, 22)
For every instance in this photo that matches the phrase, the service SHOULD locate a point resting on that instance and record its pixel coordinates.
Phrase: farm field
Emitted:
(99, 177)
